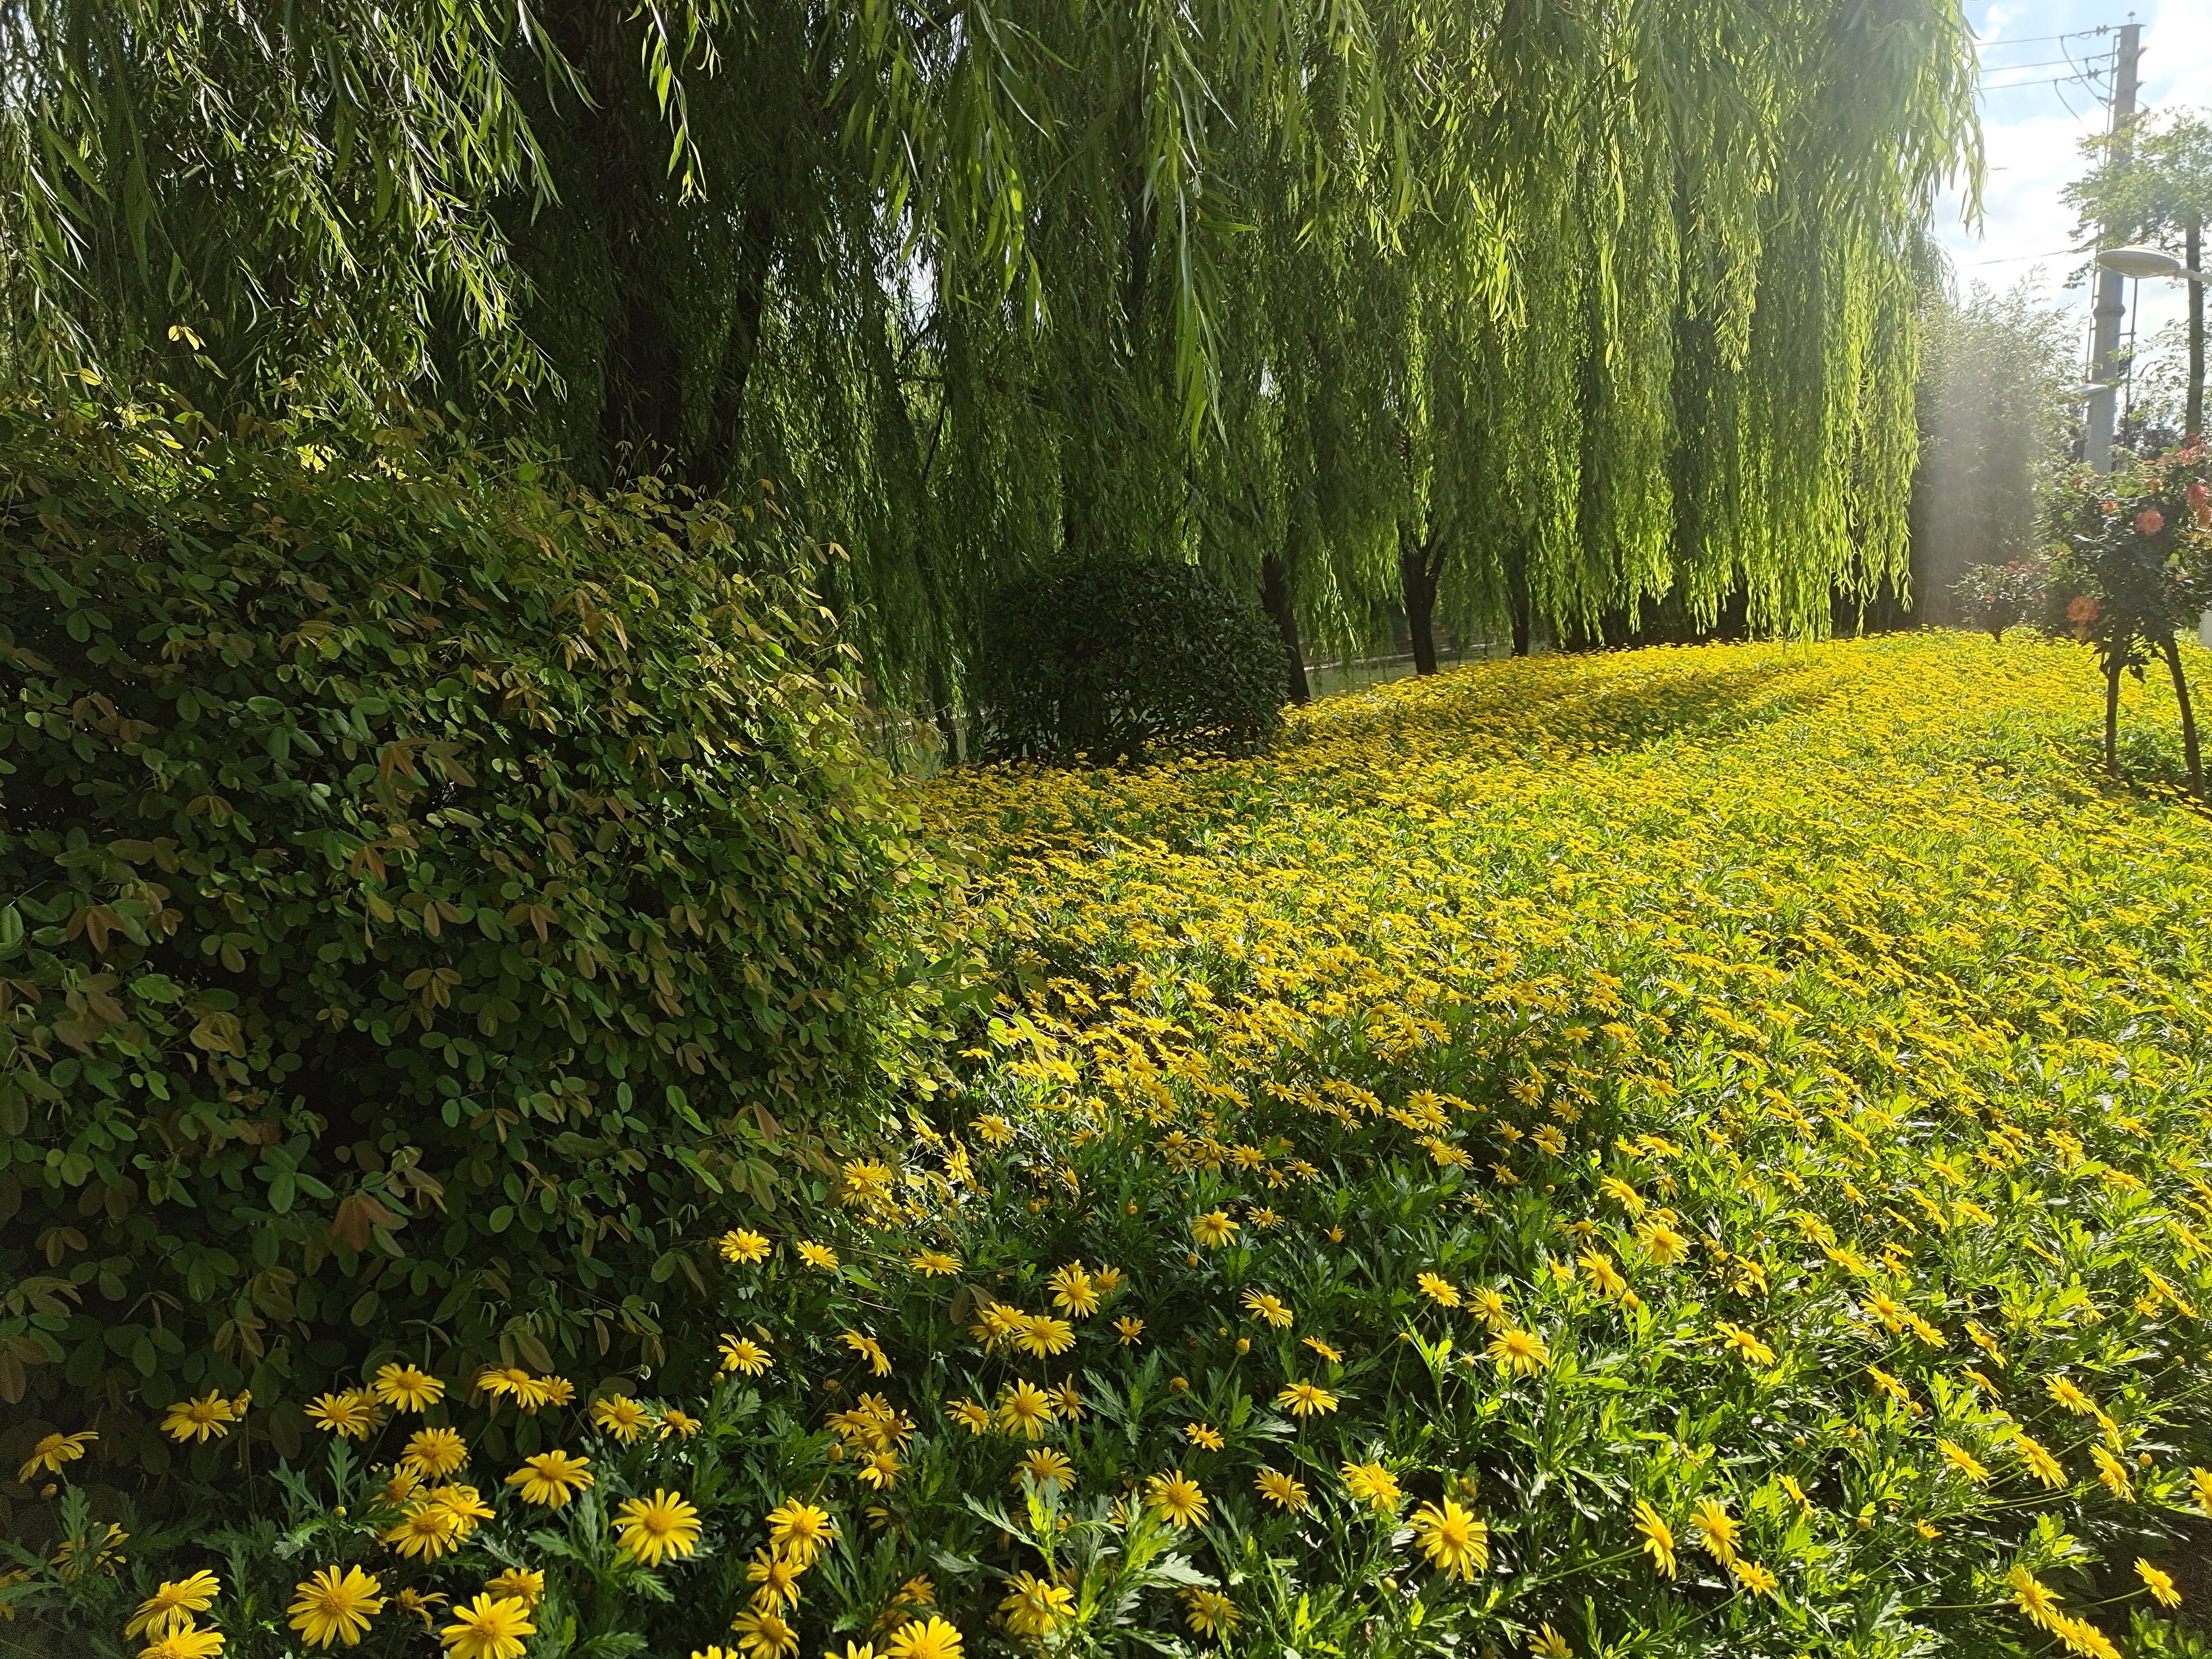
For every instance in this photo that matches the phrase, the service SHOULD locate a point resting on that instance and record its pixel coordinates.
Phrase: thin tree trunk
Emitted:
(2189, 751)
(1417, 570)
(2112, 720)
(2192, 425)
(1275, 600)
(710, 465)
(942, 713)
(1516, 600)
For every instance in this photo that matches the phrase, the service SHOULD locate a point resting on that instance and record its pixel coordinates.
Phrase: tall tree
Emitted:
(1993, 414)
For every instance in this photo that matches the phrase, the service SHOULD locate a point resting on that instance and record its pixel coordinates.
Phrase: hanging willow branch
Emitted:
(1572, 311)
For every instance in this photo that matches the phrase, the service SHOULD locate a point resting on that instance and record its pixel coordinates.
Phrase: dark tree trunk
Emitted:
(2192, 424)
(1275, 600)
(1417, 569)
(942, 714)
(2189, 751)
(641, 402)
(1516, 599)
(711, 464)
(2113, 719)
(673, 387)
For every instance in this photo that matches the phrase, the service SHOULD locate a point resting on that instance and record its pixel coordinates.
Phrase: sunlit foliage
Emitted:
(1582, 307)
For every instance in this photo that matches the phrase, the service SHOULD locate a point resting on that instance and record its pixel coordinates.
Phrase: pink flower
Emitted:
(2150, 521)
(2083, 608)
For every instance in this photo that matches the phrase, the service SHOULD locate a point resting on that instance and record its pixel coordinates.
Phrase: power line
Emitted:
(2038, 40)
(2048, 62)
(2047, 81)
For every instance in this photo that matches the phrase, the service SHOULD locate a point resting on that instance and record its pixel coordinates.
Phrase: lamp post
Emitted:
(2139, 262)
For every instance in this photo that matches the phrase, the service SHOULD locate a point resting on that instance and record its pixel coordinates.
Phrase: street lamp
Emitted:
(2142, 262)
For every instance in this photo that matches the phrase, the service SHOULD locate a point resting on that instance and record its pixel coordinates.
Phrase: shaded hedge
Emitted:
(1116, 658)
(424, 891)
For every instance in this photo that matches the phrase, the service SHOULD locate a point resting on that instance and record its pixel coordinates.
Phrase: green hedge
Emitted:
(425, 892)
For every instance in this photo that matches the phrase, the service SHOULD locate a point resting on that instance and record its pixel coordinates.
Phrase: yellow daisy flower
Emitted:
(1034, 1607)
(172, 1605)
(657, 1528)
(743, 1246)
(335, 1604)
(1658, 1538)
(1175, 1498)
(1457, 1544)
(1519, 1352)
(207, 1418)
(53, 1450)
(1306, 1400)
(1372, 1484)
(742, 1353)
(1213, 1230)
(925, 1638)
(800, 1530)
(407, 1388)
(551, 1479)
(434, 1453)
(489, 1627)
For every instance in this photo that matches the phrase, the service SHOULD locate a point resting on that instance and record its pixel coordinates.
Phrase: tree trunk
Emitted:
(1275, 600)
(2192, 425)
(640, 409)
(2113, 719)
(2189, 751)
(942, 713)
(710, 465)
(1417, 570)
(1516, 599)
(658, 364)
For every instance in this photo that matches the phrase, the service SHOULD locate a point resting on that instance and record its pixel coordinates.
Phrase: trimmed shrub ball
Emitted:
(1120, 659)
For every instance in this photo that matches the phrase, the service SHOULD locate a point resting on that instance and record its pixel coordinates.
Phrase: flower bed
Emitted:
(1673, 1151)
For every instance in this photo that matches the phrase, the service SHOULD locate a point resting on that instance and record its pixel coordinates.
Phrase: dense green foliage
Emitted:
(423, 887)
(1577, 308)
(1123, 659)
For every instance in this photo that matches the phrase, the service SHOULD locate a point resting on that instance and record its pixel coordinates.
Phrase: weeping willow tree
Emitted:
(1517, 314)
(1696, 394)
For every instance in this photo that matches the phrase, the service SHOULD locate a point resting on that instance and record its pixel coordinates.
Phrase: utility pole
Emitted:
(2105, 349)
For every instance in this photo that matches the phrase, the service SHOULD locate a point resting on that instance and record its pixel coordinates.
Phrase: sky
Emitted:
(2031, 128)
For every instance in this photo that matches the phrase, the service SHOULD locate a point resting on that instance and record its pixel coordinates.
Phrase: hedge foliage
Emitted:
(426, 890)
(1115, 657)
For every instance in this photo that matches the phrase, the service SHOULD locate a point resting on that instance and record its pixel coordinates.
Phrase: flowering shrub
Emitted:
(1684, 1150)
(2134, 569)
(1996, 596)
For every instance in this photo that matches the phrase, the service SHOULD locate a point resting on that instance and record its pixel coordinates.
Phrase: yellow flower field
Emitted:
(1740, 1109)
(1674, 1152)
